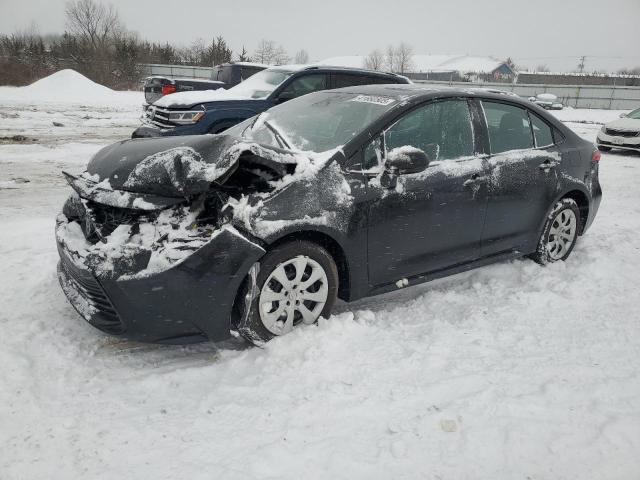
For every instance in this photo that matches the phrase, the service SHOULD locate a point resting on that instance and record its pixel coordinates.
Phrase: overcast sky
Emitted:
(533, 32)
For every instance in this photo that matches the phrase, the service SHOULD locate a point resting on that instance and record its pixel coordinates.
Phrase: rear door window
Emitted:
(541, 131)
(509, 127)
(341, 80)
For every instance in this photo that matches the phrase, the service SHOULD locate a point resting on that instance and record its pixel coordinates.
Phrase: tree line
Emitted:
(97, 44)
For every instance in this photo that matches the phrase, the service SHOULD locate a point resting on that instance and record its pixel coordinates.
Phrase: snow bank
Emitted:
(509, 371)
(587, 116)
(67, 86)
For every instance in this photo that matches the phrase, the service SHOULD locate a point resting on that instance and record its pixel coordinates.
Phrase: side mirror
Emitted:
(285, 96)
(403, 161)
(623, 115)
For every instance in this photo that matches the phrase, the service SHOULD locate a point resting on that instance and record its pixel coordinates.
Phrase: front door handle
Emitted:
(548, 164)
(474, 180)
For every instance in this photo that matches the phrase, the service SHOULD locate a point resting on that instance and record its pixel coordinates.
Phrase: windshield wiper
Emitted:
(250, 126)
(279, 136)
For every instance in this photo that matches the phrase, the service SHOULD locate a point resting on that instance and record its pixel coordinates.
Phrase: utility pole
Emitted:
(581, 64)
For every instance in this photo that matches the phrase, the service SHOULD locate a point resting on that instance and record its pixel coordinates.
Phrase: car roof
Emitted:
(331, 68)
(417, 92)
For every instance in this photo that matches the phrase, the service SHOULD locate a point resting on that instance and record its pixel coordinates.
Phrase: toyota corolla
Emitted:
(346, 193)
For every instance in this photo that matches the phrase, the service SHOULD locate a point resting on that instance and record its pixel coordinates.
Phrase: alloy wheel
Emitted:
(562, 234)
(295, 292)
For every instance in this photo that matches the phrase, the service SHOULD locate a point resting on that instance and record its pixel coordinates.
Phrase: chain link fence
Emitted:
(609, 97)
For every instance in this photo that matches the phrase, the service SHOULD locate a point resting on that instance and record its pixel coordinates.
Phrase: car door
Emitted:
(523, 177)
(431, 220)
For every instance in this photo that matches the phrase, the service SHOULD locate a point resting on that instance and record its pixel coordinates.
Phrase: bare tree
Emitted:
(301, 57)
(270, 54)
(280, 56)
(404, 58)
(391, 59)
(542, 68)
(93, 22)
(374, 61)
(265, 51)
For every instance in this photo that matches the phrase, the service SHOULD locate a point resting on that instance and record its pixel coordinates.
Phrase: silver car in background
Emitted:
(548, 101)
(623, 133)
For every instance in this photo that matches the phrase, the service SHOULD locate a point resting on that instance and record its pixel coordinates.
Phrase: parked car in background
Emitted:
(223, 76)
(346, 193)
(623, 133)
(548, 101)
(196, 113)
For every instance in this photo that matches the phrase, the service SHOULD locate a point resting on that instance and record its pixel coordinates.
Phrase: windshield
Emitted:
(316, 122)
(261, 84)
(634, 114)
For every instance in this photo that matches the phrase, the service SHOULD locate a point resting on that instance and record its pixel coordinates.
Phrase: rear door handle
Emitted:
(475, 179)
(548, 164)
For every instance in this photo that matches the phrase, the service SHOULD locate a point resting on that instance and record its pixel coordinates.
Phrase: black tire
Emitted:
(602, 148)
(543, 255)
(250, 324)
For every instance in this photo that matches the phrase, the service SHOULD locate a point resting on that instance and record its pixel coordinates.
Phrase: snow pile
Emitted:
(510, 371)
(67, 86)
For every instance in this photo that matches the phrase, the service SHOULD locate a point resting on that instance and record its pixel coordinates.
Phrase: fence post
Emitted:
(613, 91)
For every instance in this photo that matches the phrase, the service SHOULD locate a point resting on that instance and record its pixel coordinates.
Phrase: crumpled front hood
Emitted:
(177, 167)
(627, 124)
(160, 166)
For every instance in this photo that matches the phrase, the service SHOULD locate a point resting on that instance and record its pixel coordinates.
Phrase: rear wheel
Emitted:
(560, 233)
(297, 283)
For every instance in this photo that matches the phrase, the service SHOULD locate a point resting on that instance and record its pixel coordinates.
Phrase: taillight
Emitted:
(595, 156)
(168, 88)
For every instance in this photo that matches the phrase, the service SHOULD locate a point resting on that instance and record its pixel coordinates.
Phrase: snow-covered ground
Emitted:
(512, 371)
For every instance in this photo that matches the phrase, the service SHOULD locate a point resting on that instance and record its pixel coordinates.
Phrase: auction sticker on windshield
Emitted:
(377, 99)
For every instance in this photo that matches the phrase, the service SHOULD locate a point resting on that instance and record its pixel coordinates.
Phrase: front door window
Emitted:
(306, 84)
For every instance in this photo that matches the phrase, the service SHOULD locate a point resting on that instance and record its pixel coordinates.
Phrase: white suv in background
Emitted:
(623, 133)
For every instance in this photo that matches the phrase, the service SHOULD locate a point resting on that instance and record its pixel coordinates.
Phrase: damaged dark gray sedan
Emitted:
(345, 193)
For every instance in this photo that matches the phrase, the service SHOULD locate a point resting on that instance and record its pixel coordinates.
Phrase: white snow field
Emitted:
(512, 371)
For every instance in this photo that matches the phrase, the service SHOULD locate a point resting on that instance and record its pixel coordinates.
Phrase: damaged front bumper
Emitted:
(191, 300)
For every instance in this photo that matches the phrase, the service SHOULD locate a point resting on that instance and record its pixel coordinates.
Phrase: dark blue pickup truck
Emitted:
(213, 111)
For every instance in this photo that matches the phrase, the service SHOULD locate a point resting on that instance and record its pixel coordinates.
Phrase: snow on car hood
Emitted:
(187, 99)
(627, 124)
(173, 167)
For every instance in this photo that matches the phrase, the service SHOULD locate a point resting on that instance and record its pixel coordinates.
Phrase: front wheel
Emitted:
(559, 234)
(296, 284)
